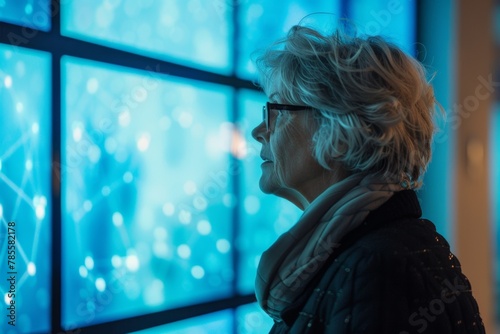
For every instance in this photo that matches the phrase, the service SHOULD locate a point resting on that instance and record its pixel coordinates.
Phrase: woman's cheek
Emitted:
(280, 148)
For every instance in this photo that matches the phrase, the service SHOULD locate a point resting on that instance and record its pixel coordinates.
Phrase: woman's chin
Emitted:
(268, 182)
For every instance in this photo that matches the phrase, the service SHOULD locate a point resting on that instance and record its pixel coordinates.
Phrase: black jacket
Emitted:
(394, 274)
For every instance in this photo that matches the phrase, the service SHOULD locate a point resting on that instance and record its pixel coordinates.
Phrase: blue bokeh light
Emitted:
(251, 319)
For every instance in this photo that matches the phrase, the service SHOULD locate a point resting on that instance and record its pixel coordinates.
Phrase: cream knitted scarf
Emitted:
(286, 268)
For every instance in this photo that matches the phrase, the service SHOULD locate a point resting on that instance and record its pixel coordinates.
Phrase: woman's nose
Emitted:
(259, 132)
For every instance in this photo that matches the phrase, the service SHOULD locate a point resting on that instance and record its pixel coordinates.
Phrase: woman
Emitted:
(346, 136)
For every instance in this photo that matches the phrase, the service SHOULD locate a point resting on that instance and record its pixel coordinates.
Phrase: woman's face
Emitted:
(287, 153)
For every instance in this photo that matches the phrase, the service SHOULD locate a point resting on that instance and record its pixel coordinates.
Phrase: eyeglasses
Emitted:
(277, 106)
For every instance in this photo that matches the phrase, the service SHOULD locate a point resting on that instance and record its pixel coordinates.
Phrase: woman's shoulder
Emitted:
(395, 244)
(405, 255)
(406, 236)
(396, 229)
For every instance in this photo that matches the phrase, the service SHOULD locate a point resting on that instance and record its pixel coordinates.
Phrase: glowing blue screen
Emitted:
(394, 20)
(26, 13)
(146, 197)
(25, 196)
(212, 323)
(248, 319)
(263, 22)
(191, 32)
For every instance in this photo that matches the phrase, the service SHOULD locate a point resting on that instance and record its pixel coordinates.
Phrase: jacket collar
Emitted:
(403, 204)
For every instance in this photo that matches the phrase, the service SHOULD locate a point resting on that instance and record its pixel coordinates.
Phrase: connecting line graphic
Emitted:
(36, 239)
(36, 203)
(18, 198)
(21, 195)
(19, 248)
(25, 187)
(17, 190)
(16, 145)
(81, 212)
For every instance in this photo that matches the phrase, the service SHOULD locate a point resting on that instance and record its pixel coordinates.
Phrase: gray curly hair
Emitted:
(374, 105)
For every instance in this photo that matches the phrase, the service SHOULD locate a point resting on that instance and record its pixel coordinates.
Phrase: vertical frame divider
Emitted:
(57, 171)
